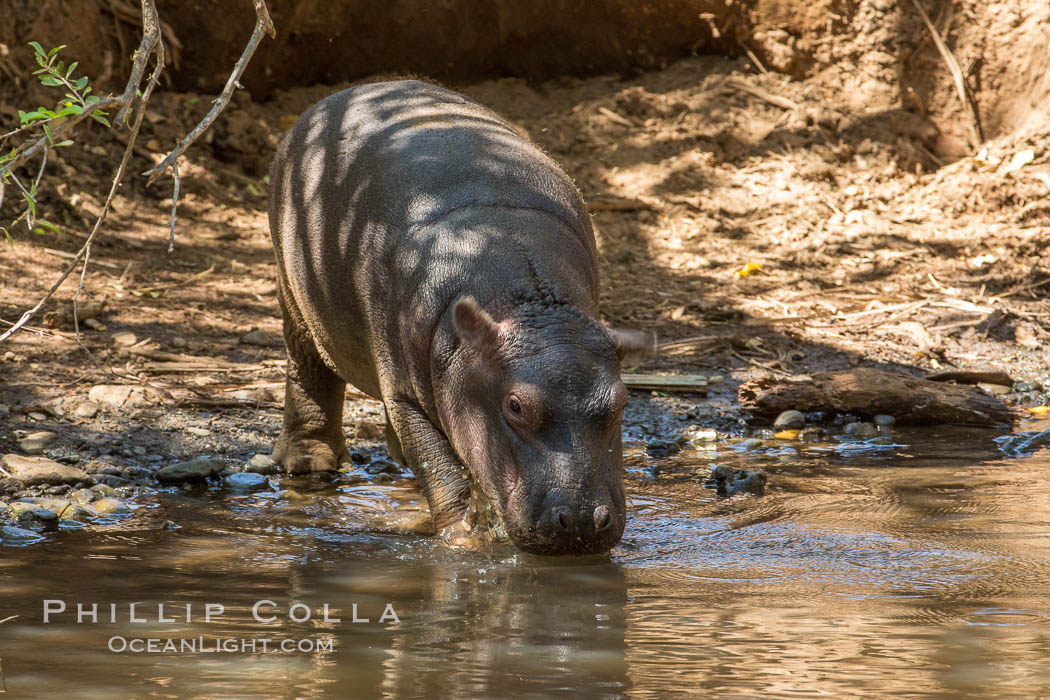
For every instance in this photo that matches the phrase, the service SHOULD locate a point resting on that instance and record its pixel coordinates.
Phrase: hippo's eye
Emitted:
(514, 405)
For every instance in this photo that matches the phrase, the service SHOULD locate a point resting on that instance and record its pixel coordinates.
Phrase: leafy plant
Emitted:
(77, 99)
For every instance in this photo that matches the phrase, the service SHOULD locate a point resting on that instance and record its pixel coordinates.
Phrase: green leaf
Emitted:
(44, 223)
(72, 67)
(31, 203)
(55, 50)
(50, 81)
(92, 100)
(100, 116)
(82, 82)
(49, 134)
(7, 234)
(71, 109)
(37, 48)
(63, 144)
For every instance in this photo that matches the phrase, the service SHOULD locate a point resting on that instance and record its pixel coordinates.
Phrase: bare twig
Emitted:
(976, 136)
(263, 25)
(764, 95)
(174, 204)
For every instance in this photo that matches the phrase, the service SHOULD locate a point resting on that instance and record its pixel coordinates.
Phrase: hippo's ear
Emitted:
(633, 346)
(474, 326)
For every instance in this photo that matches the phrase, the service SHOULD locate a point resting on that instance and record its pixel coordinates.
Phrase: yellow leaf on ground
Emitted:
(1039, 410)
(748, 269)
(787, 434)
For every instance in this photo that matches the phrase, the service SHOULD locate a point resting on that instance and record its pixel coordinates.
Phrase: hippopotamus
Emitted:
(437, 260)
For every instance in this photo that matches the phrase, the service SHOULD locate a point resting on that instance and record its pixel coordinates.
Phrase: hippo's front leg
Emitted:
(312, 437)
(429, 455)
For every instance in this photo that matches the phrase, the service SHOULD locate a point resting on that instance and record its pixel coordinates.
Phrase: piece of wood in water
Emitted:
(867, 392)
(964, 376)
(666, 382)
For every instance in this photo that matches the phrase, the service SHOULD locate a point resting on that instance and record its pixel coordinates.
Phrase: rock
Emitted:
(18, 534)
(38, 416)
(246, 480)
(882, 420)
(789, 420)
(86, 410)
(728, 481)
(35, 443)
(125, 338)
(256, 337)
(110, 506)
(20, 509)
(109, 480)
(1022, 387)
(383, 466)
(41, 470)
(193, 470)
(44, 515)
(103, 490)
(262, 464)
(860, 430)
(4, 409)
(94, 324)
(118, 395)
(252, 395)
(658, 447)
(85, 496)
(698, 435)
(199, 432)
(996, 389)
(178, 342)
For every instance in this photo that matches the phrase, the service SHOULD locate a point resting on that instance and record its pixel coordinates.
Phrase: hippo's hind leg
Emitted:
(312, 437)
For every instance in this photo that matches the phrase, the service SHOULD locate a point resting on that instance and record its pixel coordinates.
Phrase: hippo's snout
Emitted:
(563, 527)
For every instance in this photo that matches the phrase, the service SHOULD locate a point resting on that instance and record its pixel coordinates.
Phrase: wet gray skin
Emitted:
(436, 260)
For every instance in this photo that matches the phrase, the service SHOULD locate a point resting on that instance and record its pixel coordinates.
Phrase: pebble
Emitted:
(17, 534)
(262, 464)
(696, 434)
(35, 443)
(728, 481)
(199, 432)
(84, 496)
(883, 420)
(790, 420)
(860, 430)
(103, 490)
(997, 389)
(247, 480)
(192, 470)
(109, 480)
(383, 466)
(178, 342)
(94, 324)
(86, 410)
(4, 409)
(256, 337)
(38, 416)
(125, 338)
(110, 506)
(41, 470)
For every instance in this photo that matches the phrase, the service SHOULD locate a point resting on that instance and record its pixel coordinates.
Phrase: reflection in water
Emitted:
(921, 573)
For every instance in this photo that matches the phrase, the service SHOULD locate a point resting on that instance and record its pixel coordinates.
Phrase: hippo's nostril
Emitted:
(602, 518)
(564, 518)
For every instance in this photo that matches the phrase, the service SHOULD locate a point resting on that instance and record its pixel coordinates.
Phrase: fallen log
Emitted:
(867, 392)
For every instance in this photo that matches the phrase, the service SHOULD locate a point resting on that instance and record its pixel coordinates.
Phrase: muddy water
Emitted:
(917, 569)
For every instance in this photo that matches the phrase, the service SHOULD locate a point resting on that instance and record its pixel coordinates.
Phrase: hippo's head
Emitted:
(533, 404)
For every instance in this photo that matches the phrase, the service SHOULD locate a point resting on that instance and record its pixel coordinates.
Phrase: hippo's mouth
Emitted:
(483, 515)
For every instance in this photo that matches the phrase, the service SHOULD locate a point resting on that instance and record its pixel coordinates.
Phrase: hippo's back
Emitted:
(366, 192)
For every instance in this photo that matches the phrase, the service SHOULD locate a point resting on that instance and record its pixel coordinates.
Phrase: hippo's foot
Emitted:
(306, 455)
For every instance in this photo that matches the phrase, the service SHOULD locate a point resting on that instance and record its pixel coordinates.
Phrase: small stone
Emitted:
(246, 480)
(178, 342)
(38, 416)
(256, 337)
(702, 436)
(85, 496)
(104, 490)
(86, 410)
(4, 409)
(94, 324)
(996, 389)
(21, 510)
(17, 534)
(118, 395)
(110, 480)
(40, 470)
(1021, 387)
(262, 464)
(44, 515)
(790, 420)
(125, 338)
(200, 432)
(192, 470)
(861, 430)
(763, 434)
(252, 395)
(293, 495)
(883, 420)
(383, 466)
(35, 443)
(139, 450)
(110, 506)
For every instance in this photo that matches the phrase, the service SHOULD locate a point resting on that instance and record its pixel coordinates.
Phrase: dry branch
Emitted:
(976, 136)
(867, 392)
